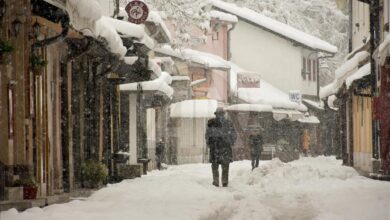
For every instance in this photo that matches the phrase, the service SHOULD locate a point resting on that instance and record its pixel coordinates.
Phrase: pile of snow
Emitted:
(159, 84)
(194, 109)
(207, 59)
(362, 72)
(169, 51)
(349, 68)
(126, 28)
(250, 108)
(309, 120)
(275, 26)
(155, 17)
(309, 188)
(86, 17)
(268, 95)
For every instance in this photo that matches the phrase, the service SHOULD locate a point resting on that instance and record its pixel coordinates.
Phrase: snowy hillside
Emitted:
(320, 18)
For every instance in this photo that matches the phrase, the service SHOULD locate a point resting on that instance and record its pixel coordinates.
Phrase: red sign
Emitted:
(138, 11)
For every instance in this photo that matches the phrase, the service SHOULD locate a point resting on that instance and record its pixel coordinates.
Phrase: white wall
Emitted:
(191, 142)
(360, 23)
(108, 7)
(277, 60)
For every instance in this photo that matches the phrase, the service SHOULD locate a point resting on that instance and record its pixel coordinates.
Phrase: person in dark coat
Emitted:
(220, 136)
(256, 145)
(160, 147)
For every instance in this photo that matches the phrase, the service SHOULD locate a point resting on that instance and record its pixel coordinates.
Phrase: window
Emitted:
(303, 68)
(309, 68)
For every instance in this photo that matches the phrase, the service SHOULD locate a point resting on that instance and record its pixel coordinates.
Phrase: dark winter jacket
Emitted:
(256, 144)
(160, 147)
(220, 136)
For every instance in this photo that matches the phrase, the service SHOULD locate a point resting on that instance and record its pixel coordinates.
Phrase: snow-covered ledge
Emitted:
(86, 17)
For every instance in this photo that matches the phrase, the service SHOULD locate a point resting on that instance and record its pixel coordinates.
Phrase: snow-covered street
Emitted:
(310, 188)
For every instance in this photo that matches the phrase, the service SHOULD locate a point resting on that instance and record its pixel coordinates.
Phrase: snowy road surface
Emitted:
(310, 188)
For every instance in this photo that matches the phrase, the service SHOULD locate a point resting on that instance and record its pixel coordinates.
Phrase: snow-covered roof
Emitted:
(181, 78)
(194, 109)
(169, 51)
(343, 72)
(277, 114)
(198, 82)
(275, 26)
(126, 28)
(222, 16)
(159, 84)
(362, 72)
(155, 17)
(86, 17)
(250, 108)
(207, 59)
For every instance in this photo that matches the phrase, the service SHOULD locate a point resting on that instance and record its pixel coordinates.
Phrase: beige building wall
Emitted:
(362, 132)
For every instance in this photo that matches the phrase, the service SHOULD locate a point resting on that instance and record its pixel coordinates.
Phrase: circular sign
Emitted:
(137, 11)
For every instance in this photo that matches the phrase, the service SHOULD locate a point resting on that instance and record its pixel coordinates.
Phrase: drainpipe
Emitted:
(228, 41)
(60, 37)
(229, 57)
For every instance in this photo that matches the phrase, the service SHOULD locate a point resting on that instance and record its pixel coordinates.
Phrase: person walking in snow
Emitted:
(256, 145)
(305, 142)
(220, 136)
(160, 147)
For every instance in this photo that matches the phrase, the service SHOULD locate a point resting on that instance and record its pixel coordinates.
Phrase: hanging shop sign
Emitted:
(295, 96)
(137, 11)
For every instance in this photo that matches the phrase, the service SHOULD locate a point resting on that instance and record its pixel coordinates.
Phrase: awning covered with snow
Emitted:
(195, 57)
(278, 114)
(309, 120)
(160, 84)
(194, 109)
(86, 17)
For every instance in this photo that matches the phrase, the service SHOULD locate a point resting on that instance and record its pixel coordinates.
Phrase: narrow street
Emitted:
(309, 188)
